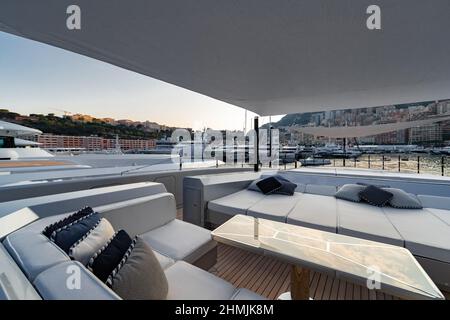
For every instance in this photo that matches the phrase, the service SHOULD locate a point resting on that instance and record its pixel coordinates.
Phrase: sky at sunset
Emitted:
(38, 78)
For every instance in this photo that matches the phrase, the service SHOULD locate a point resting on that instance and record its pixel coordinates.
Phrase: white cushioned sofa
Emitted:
(425, 232)
(184, 250)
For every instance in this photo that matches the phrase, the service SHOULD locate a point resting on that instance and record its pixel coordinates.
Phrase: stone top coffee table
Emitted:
(378, 266)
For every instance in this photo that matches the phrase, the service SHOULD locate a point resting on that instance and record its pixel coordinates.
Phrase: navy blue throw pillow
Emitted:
(375, 196)
(287, 188)
(66, 236)
(49, 230)
(109, 257)
(269, 185)
(284, 186)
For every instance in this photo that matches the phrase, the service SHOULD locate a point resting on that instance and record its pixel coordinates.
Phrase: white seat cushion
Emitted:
(444, 215)
(180, 240)
(274, 207)
(314, 211)
(425, 235)
(33, 251)
(236, 203)
(187, 282)
(164, 261)
(365, 221)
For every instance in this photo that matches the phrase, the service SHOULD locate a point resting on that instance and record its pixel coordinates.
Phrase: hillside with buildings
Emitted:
(435, 134)
(78, 124)
(89, 133)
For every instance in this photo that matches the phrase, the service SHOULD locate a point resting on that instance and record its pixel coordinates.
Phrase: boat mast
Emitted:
(245, 122)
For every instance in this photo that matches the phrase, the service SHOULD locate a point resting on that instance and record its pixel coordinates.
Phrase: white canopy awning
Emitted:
(365, 131)
(15, 130)
(268, 56)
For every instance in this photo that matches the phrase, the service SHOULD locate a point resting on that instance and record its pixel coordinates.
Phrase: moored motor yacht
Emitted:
(334, 151)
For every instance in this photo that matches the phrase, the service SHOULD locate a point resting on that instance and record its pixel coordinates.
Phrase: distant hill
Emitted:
(301, 119)
(66, 126)
(294, 119)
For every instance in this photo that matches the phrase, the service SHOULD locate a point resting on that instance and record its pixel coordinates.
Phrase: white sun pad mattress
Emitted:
(424, 234)
(444, 215)
(236, 203)
(314, 211)
(362, 220)
(275, 207)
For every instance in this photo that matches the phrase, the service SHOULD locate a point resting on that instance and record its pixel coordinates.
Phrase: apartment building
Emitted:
(430, 133)
(93, 143)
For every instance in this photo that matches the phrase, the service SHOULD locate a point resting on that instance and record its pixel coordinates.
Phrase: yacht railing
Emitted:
(401, 163)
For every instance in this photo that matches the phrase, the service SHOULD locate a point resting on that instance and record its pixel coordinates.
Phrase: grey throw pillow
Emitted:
(403, 200)
(350, 192)
(253, 186)
(139, 275)
(287, 188)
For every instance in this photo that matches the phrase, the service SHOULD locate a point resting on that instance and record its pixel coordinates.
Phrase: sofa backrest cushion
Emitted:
(300, 188)
(33, 251)
(319, 189)
(140, 215)
(435, 202)
(14, 285)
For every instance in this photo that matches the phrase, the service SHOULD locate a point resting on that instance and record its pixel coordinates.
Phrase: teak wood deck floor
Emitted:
(270, 277)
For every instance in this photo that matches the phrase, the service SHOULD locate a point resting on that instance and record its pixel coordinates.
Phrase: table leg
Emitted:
(299, 283)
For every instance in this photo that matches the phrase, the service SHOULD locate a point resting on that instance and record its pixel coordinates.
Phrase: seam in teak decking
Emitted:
(270, 277)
